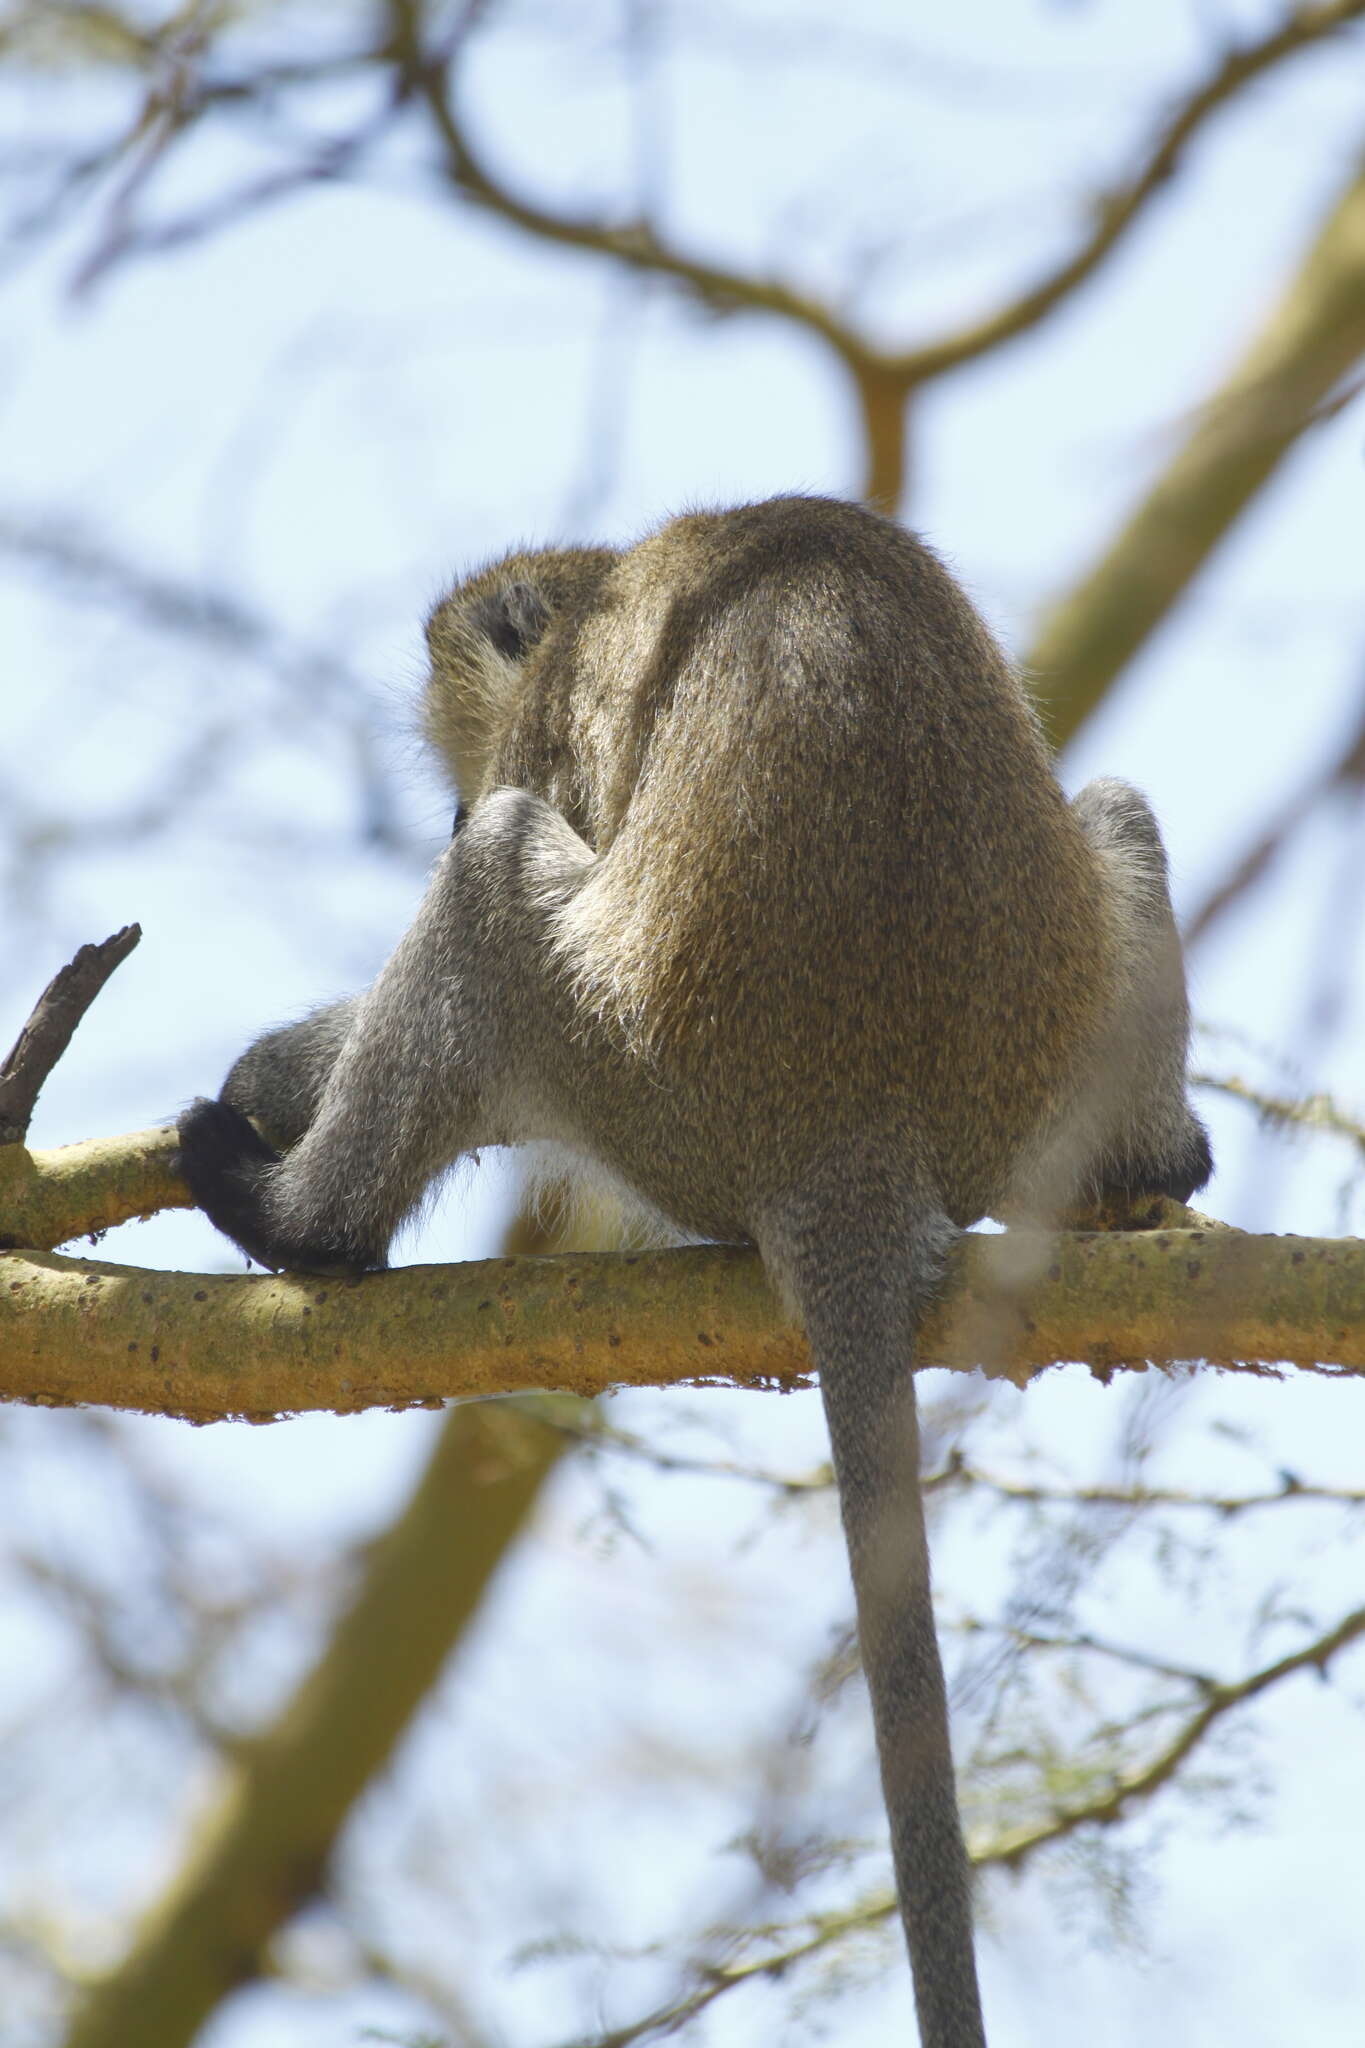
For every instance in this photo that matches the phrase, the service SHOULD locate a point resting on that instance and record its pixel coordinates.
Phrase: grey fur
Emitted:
(281, 1076)
(768, 900)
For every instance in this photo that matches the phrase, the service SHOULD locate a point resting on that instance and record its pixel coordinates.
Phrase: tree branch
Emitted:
(49, 1197)
(425, 72)
(1311, 1113)
(1130, 1787)
(1312, 339)
(897, 371)
(1117, 210)
(1226, 1506)
(264, 1847)
(49, 1030)
(883, 378)
(96, 570)
(207, 1347)
(636, 244)
(821, 1932)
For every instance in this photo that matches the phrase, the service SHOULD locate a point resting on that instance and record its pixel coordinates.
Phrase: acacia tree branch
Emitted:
(596, 1435)
(821, 1932)
(639, 244)
(311, 674)
(325, 163)
(207, 1347)
(264, 1848)
(1244, 435)
(66, 1191)
(1219, 1700)
(96, 570)
(285, 1800)
(1312, 339)
(181, 93)
(1117, 211)
(1312, 1113)
(883, 377)
(1227, 1506)
(884, 403)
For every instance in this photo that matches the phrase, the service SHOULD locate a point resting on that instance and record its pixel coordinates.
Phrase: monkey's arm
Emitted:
(274, 1089)
(375, 1098)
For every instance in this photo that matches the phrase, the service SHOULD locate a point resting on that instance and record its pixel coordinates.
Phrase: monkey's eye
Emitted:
(513, 618)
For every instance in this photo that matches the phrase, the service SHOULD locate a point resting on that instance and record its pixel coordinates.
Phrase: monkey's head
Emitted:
(484, 638)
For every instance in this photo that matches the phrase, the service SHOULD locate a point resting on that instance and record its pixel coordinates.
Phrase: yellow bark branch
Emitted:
(49, 1197)
(204, 1347)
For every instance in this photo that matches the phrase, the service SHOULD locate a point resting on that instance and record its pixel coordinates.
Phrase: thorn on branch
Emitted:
(48, 1032)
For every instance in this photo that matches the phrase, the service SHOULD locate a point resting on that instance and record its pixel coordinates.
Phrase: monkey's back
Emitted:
(838, 888)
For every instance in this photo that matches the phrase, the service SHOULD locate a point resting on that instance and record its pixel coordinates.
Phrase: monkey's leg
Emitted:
(859, 1261)
(279, 1080)
(440, 1057)
(1146, 1139)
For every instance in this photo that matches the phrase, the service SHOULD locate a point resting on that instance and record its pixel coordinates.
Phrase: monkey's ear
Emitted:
(513, 618)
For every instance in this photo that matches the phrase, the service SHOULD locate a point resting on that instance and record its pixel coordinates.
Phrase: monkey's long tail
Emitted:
(861, 1306)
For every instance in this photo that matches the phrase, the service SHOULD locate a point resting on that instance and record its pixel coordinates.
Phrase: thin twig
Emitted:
(1313, 1112)
(1130, 1787)
(1226, 1505)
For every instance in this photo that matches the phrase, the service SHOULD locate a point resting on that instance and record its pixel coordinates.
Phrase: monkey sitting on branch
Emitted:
(762, 898)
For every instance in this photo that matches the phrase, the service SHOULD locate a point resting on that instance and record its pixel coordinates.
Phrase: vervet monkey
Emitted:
(766, 901)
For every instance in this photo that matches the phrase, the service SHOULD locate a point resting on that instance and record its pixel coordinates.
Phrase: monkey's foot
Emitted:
(1133, 1193)
(227, 1166)
(1185, 1169)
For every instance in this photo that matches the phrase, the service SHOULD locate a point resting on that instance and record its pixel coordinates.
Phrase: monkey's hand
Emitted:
(227, 1166)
